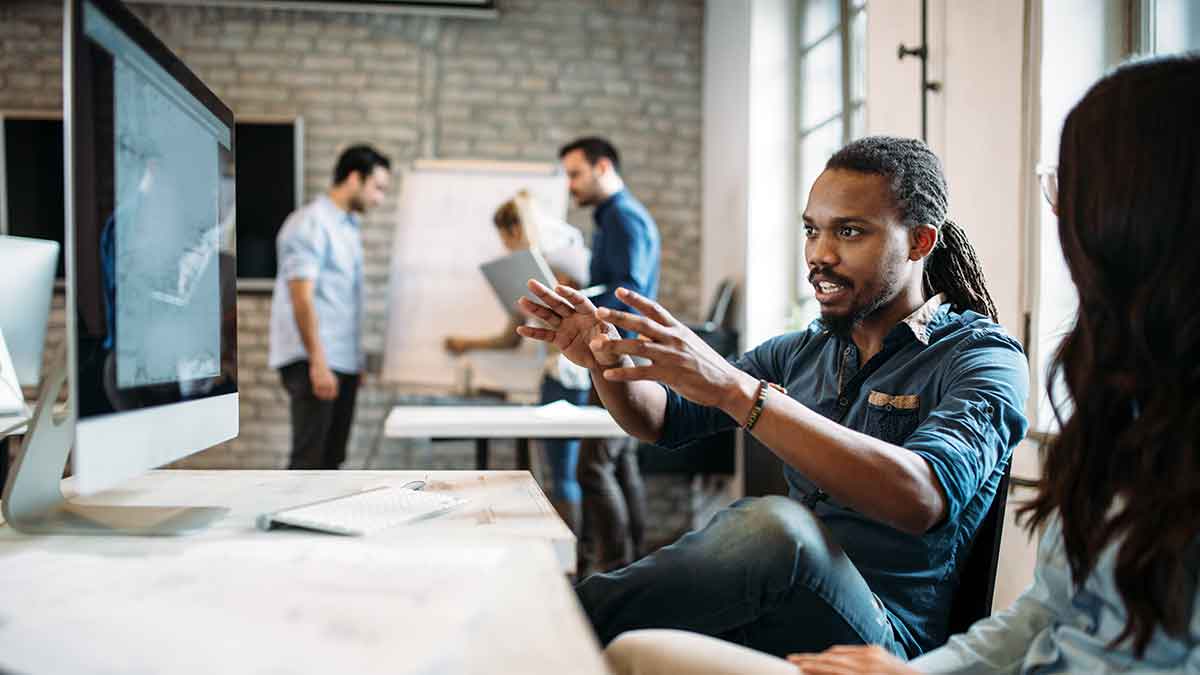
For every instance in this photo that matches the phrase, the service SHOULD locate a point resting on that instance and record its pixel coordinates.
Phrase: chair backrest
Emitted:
(718, 311)
(977, 582)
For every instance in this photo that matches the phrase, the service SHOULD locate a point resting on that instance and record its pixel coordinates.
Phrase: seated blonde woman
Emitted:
(521, 225)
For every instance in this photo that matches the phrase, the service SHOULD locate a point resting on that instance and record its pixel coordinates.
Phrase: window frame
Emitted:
(851, 112)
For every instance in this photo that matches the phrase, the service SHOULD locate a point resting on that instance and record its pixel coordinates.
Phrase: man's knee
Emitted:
(781, 528)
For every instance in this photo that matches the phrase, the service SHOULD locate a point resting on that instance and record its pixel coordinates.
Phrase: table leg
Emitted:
(481, 454)
(523, 453)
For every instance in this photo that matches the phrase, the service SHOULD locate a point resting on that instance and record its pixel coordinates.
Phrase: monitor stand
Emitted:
(33, 498)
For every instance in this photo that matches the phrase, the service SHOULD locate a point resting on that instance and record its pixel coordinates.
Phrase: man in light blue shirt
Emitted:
(317, 308)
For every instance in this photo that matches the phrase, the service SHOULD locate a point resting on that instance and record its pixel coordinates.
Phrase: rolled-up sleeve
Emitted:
(980, 417)
(300, 248)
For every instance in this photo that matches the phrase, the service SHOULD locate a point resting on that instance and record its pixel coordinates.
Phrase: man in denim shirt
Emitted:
(902, 406)
(625, 254)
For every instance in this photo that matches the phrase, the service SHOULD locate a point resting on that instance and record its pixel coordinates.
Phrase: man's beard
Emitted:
(586, 201)
(889, 288)
(588, 198)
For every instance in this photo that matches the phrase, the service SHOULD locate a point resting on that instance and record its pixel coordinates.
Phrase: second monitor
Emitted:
(151, 280)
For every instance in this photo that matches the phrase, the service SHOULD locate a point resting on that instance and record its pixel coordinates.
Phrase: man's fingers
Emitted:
(531, 308)
(642, 348)
(578, 300)
(632, 322)
(631, 373)
(536, 333)
(551, 299)
(646, 306)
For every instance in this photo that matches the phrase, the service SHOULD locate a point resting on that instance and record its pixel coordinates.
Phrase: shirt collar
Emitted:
(336, 214)
(919, 320)
(612, 199)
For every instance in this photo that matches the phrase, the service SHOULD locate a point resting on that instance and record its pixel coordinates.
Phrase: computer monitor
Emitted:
(29, 266)
(151, 280)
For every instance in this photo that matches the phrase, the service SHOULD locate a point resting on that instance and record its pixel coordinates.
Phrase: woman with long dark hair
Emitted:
(1119, 502)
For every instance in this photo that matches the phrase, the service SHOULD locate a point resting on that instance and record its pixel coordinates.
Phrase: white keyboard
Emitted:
(364, 512)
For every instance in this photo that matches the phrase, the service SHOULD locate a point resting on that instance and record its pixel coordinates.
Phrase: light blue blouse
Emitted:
(1055, 627)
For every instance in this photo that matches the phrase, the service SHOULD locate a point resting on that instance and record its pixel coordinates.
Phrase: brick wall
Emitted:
(511, 89)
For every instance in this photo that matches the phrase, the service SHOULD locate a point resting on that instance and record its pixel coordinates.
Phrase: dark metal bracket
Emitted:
(922, 52)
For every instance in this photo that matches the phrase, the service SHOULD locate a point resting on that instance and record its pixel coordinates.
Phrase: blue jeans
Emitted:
(763, 573)
(563, 454)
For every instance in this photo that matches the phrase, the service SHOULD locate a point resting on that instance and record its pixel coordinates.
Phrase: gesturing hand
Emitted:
(678, 357)
(573, 324)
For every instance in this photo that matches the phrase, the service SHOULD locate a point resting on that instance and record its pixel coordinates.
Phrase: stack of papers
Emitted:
(558, 410)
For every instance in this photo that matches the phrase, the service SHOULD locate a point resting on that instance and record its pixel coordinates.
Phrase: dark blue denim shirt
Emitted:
(950, 387)
(625, 250)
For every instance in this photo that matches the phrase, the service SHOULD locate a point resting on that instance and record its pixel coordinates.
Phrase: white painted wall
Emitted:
(892, 105)
(983, 143)
(726, 142)
(748, 177)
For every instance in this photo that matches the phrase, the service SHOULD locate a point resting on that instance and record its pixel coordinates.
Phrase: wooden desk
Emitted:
(480, 590)
(522, 422)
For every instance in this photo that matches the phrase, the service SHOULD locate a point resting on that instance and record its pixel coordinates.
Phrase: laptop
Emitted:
(509, 275)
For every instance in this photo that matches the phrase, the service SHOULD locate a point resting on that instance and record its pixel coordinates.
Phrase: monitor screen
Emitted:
(154, 282)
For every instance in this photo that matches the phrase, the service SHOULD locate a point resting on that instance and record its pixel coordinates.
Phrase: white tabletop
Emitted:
(554, 421)
(441, 596)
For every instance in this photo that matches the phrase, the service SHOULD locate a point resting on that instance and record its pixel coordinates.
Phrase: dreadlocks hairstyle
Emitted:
(1124, 470)
(919, 190)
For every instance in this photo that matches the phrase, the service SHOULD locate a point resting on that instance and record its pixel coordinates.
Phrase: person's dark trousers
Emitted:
(614, 500)
(763, 573)
(320, 429)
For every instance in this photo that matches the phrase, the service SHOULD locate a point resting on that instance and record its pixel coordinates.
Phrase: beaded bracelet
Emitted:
(759, 402)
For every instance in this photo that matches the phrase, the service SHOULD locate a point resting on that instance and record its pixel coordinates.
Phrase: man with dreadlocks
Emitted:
(895, 414)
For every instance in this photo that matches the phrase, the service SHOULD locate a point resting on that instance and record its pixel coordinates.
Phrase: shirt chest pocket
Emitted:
(892, 417)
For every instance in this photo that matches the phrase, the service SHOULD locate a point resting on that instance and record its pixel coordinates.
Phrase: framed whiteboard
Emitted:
(444, 232)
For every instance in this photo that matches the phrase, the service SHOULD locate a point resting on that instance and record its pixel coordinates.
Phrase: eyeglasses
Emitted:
(1048, 179)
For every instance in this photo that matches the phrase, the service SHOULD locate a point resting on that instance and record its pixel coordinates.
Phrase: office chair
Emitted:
(713, 329)
(973, 598)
